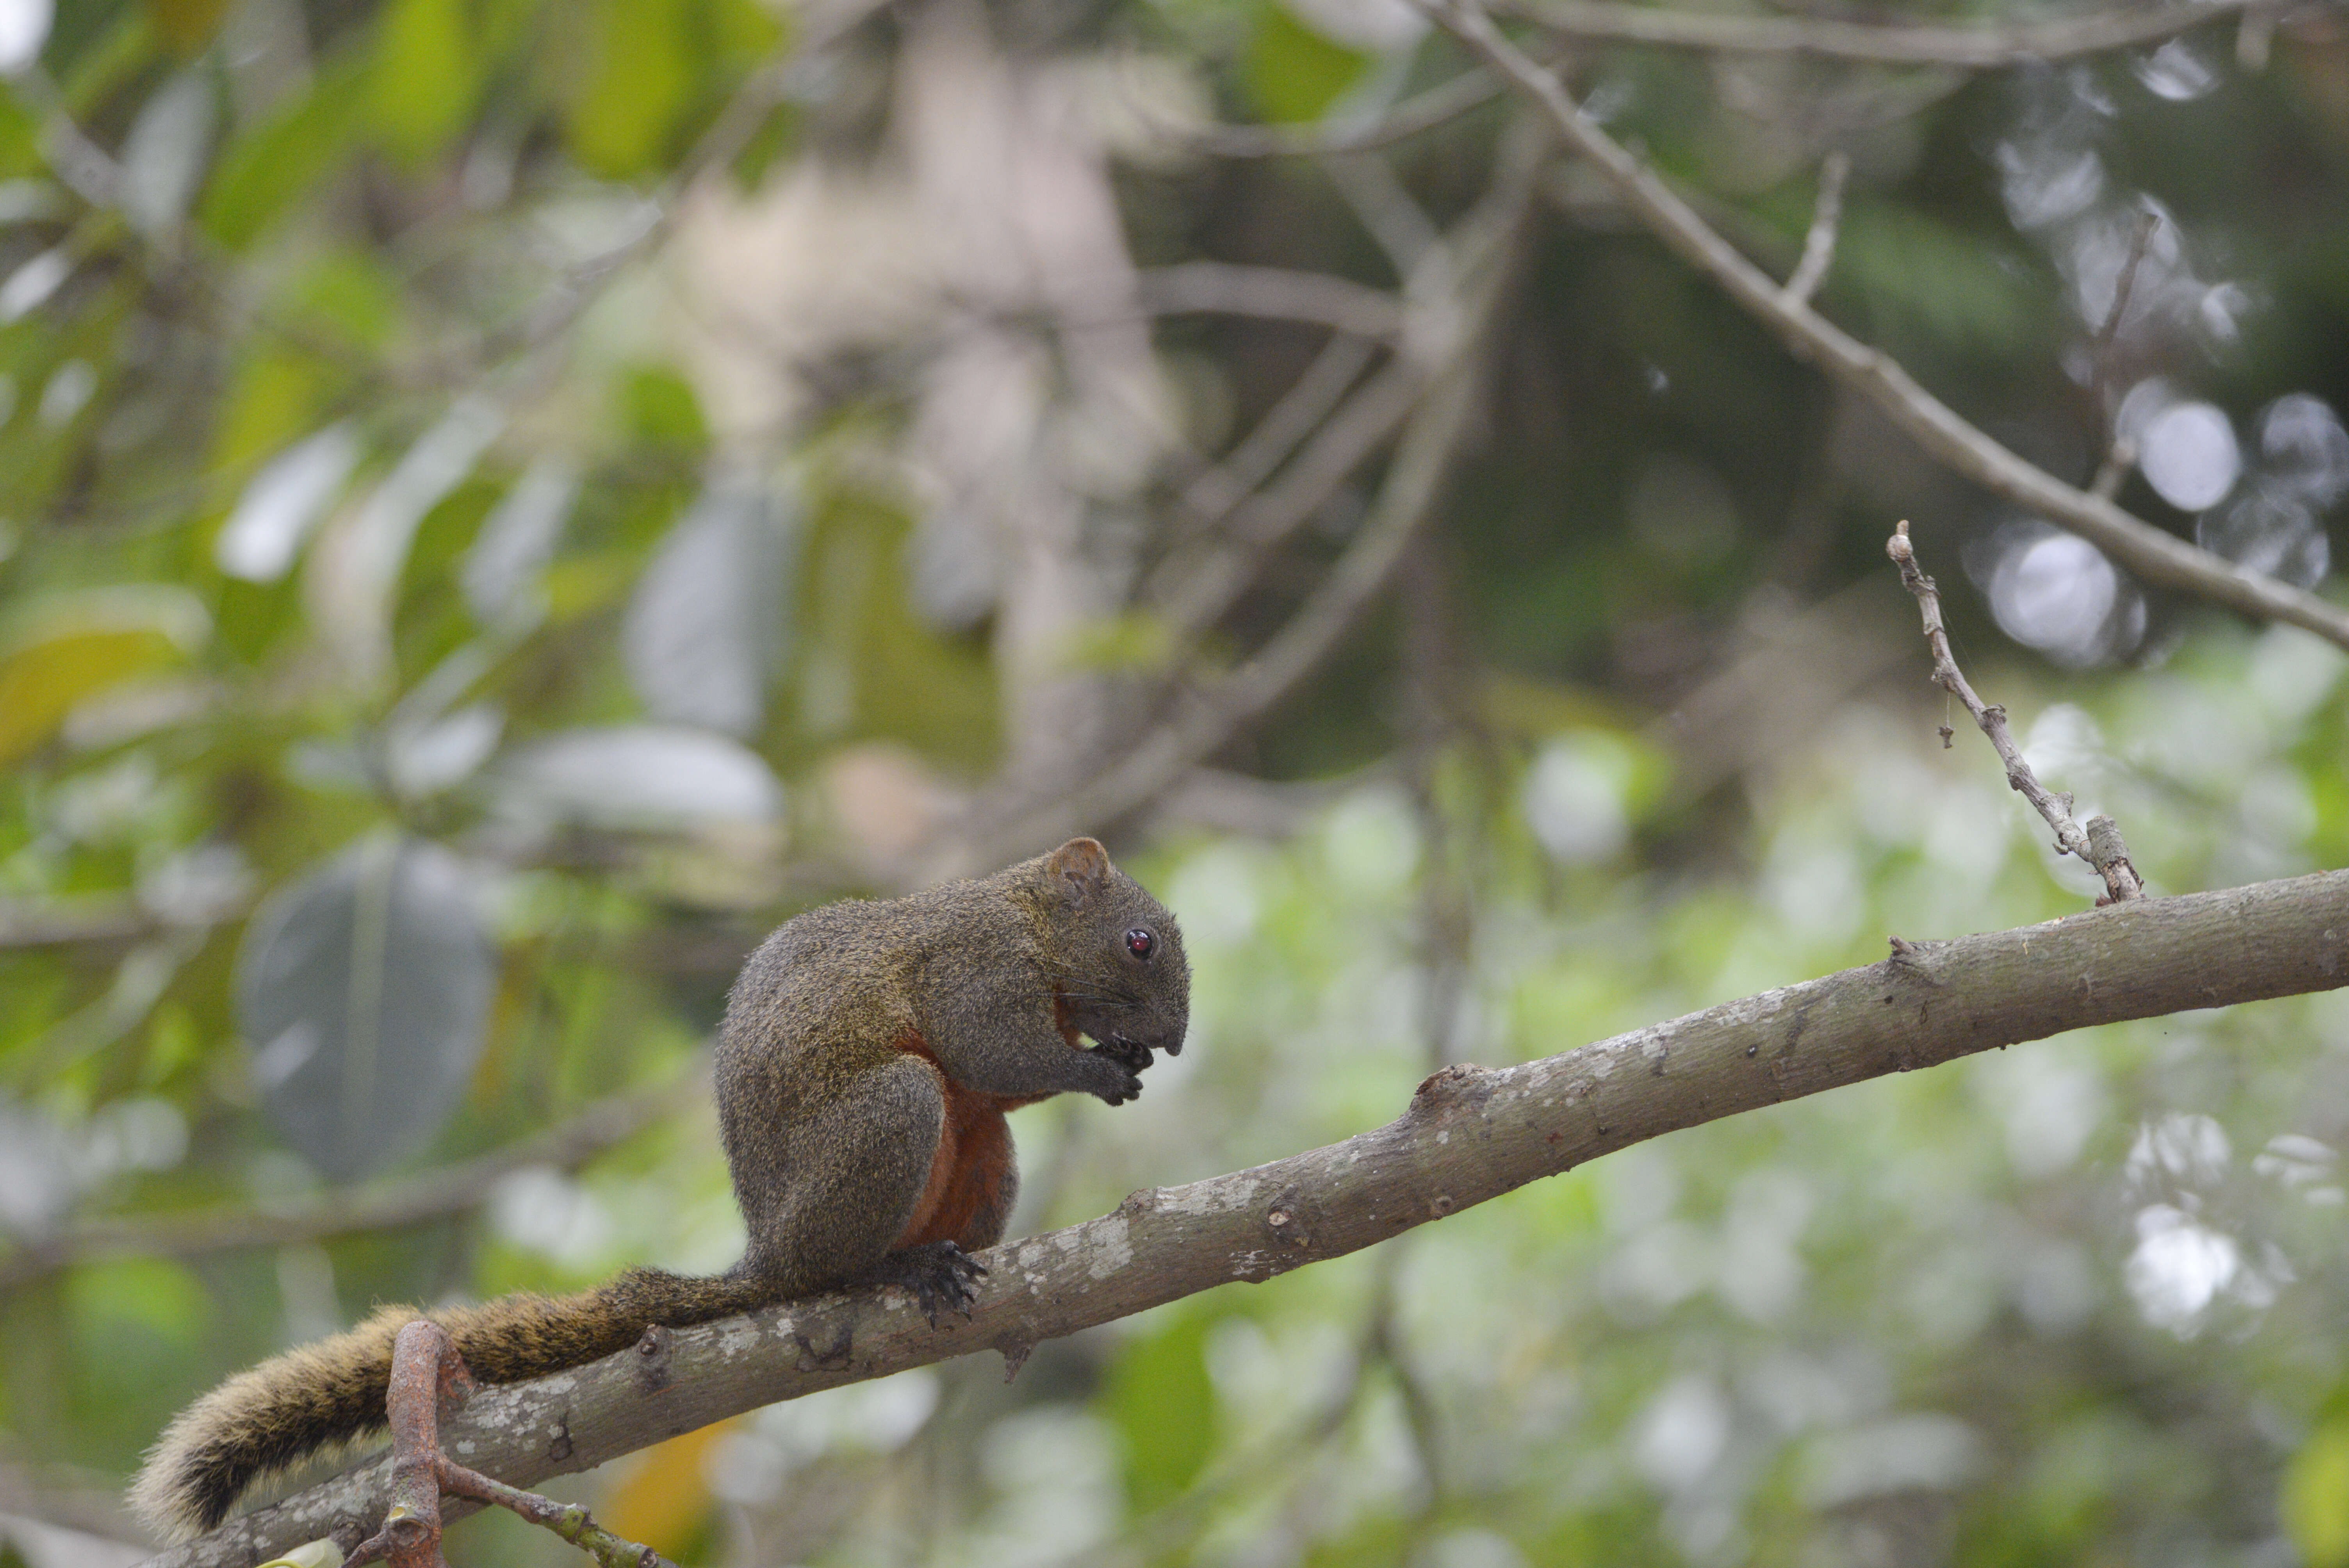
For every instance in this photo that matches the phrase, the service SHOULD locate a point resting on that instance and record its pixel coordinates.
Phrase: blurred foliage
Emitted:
(503, 502)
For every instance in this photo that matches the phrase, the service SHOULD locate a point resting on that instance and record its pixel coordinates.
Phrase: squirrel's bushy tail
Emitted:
(266, 1421)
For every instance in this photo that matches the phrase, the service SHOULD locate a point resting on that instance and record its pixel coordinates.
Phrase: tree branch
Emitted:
(1209, 496)
(1274, 294)
(2152, 554)
(427, 1373)
(65, 923)
(1191, 593)
(1967, 49)
(432, 1194)
(1590, 21)
(1469, 1134)
(1406, 119)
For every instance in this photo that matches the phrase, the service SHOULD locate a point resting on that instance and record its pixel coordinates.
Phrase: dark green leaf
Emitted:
(362, 991)
(272, 166)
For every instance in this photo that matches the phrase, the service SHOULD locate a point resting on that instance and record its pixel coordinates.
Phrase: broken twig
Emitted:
(2100, 843)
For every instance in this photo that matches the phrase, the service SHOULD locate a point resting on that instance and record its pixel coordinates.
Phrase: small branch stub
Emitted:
(2101, 846)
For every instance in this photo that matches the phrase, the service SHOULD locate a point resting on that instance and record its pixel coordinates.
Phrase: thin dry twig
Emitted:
(2120, 459)
(1385, 208)
(1191, 590)
(2152, 554)
(2123, 286)
(426, 1375)
(1210, 495)
(2120, 453)
(2100, 844)
(1819, 245)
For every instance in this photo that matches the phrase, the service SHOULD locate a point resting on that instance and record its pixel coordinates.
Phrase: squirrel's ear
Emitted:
(1080, 868)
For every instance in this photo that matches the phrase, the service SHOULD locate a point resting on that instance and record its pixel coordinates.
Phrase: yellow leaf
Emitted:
(77, 644)
(663, 1498)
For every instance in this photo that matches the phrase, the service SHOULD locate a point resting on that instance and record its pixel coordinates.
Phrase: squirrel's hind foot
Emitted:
(939, 1273)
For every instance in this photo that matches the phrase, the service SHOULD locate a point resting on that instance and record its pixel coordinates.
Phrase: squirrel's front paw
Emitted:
(1134, 1058)
(1100, 1072)
(940, 1275)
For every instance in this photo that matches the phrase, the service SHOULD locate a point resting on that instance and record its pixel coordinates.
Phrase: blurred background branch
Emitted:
(438, 1194)
(1975, 47)
(2151, 554)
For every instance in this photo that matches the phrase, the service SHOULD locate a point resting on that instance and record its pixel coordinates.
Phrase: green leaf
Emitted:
(630, 104)
(1941, 279)
(273, 402)
(1162, 1404)
(271, 167)
(425, 77)
(2316, 1501)
(1135, 641)
(1296, 73)
(743, 32)
(350, 294)
(661, 409)
(156, 1295)
(20, 141)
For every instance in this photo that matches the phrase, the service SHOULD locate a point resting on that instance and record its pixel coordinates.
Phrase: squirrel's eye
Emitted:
(1139, 943)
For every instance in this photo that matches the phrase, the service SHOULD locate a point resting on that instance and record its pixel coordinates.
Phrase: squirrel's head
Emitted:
(1123, 974)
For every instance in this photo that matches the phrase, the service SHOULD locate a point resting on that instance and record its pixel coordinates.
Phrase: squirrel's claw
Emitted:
(940, 1275)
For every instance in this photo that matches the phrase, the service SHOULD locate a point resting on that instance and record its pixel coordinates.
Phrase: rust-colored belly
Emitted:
(973, 1155)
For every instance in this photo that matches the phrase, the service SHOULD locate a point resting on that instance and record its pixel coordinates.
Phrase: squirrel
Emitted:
(868, 1053)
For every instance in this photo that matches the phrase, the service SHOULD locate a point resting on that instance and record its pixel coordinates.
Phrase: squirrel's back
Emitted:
(852, 967)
